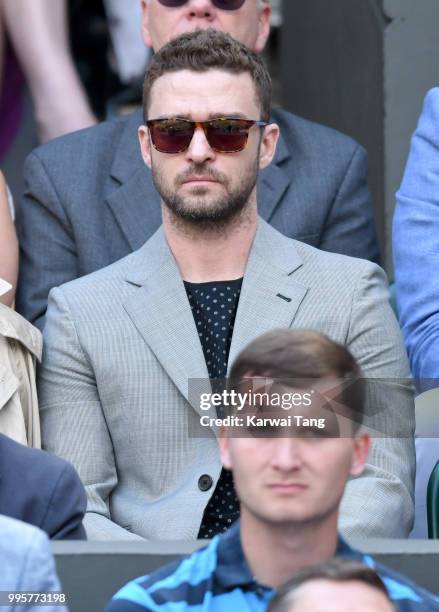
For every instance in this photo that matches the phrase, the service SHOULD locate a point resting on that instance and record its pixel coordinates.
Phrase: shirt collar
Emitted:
(232, 569)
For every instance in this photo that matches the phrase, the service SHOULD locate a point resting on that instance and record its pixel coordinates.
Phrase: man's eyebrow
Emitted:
(211, 116)
(228, 115)
(179, 116)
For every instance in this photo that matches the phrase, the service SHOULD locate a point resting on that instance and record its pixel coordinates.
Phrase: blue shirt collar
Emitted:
(232, 569)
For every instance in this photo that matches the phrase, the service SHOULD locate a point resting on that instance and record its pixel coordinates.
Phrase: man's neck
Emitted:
(275, 554)
(204, 255)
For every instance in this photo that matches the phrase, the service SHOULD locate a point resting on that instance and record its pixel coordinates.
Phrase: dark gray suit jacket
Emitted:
(41, 489)
(90, 201)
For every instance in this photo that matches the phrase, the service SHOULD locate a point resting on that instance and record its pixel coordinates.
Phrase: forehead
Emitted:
(202, 94)
(341, 596)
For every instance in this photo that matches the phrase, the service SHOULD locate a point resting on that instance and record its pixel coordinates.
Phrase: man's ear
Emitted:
(145, 144)
(268, 145)
(145, 24)
(362, 443)
(224, 445)
(264, 23)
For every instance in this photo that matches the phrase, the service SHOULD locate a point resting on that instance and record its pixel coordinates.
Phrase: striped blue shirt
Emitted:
(218, 578)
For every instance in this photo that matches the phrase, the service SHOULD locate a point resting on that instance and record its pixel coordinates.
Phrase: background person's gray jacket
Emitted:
(90, 201)
(121, 345)
(26, 563)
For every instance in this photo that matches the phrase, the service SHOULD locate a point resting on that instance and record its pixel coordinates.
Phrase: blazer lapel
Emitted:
(134, 201)
(269, 297)
(161, 312)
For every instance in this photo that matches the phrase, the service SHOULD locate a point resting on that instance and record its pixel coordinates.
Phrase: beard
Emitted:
(201, 210)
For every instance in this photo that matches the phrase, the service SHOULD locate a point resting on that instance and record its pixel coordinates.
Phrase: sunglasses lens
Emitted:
(171, 136)
(224, 5)
(228, 135)
(173, 3)
(228, 5)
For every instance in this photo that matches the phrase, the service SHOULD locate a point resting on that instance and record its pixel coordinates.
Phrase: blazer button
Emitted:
(205, 482)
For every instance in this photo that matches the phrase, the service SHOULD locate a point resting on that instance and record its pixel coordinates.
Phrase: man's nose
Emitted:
(201, 9)
(287, 454)
(199, 149)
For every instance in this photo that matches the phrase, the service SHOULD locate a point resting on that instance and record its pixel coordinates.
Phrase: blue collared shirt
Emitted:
(218, 578)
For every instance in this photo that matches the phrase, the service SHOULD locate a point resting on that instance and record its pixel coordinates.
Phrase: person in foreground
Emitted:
(335, 586)
(42, 490)
(27, 565)
(290, 483)
(123, 344)
(89, 201)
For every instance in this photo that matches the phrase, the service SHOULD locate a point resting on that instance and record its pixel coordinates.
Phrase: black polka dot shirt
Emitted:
(214, 307)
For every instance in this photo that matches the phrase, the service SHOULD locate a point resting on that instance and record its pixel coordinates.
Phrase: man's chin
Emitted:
(200, 217)
(200, 210)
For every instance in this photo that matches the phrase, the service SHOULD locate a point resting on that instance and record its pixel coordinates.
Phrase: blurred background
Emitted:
(360, 66)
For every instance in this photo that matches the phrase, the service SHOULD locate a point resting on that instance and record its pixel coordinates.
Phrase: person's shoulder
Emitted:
(323, 263)
(100, 139)
(429, 119)
(403, 590)
(32, 468)
(113, 280)
(431, 101)
(186, 580)
(102, 281)
(309, 134)
(326, 261)
(26, 558)
(17, 328)
(22, 535)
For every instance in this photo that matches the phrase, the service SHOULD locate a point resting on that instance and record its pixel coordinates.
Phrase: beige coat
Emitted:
(20, 347)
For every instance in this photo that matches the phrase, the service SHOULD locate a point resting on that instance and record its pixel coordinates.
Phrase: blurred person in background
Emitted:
(130, 53)
(8, 247)
(38, 32)
(109, 52)
(90, 201)
(335, 586)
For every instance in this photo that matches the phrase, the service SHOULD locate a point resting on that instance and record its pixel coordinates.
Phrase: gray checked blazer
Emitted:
(121, 344)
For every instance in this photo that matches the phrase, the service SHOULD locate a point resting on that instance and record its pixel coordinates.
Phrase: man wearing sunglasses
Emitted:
(125, 346)
(89, 201)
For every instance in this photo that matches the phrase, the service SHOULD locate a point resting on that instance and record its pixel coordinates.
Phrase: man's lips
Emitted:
(199, 179)
(287, 487)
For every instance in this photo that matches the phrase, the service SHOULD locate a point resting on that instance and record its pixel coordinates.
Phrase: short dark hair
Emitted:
(202, 50)
(336, 570)
(301, 355)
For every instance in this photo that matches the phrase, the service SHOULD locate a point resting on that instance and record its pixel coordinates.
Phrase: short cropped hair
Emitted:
(300, 355)
(335, 570)
(203, 50)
